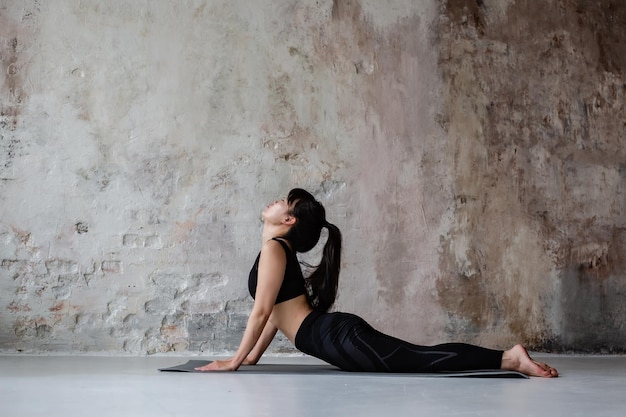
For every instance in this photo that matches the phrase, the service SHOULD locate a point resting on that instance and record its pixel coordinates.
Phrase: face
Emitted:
(276, 212)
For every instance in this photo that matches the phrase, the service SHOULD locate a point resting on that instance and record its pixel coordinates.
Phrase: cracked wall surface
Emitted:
(471, 152)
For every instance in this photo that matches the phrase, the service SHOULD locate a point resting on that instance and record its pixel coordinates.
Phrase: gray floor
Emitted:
(120, 386)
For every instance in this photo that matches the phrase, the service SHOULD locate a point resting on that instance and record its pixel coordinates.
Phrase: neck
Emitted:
(273, 230)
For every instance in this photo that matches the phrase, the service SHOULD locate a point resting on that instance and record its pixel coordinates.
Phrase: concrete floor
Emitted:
(123, 386)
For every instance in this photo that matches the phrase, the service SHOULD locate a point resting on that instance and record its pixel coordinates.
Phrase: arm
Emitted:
(261, 345)
(272, 264)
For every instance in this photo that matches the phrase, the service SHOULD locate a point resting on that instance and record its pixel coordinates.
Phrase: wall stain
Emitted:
(531, 149)
(396, 82)
(385, 73)
(12, 68)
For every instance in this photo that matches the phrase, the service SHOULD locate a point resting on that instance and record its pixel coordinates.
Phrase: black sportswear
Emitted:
(351, 344)
(293, 282)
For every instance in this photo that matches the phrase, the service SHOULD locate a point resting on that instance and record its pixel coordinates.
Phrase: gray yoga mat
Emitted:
(331, 370)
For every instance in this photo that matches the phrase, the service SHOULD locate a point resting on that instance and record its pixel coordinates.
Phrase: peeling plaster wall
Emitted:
(472, 153)
(535, 120)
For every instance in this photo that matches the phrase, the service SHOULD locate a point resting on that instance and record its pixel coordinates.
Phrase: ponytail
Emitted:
(310, 217)
(324, 280)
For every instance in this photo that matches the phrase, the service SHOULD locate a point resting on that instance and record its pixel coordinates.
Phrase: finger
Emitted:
(204, 367)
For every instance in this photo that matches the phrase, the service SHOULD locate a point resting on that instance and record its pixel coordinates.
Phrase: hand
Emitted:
(227, 365)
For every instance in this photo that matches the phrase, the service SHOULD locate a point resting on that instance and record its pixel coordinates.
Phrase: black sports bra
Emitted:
(293, 281)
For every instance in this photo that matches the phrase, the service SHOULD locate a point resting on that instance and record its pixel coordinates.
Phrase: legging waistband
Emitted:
(304, 329)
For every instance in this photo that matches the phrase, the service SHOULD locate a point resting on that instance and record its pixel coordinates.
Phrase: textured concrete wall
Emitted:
(535, 120)
(471, 151)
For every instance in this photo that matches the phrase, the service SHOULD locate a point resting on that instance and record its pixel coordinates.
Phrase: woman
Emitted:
(284, 300)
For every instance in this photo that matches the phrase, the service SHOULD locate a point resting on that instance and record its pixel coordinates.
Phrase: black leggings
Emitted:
(349, 343)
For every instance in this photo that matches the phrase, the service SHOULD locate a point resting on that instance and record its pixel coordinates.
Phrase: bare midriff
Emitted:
(289, 315)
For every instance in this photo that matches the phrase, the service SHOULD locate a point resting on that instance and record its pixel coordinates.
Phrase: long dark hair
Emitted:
(304, 234)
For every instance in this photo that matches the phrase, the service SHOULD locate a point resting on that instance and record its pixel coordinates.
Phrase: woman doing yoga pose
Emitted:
(297, 306)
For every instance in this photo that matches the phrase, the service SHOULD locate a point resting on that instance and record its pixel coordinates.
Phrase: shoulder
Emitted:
(273, 249)
(273, 258)
(286, 245)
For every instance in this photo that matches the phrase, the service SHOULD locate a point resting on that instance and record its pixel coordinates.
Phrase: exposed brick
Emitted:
(166, 280)
(141, 241)
(211, 279)
(202, 328)
(8, 263)
(20, 266)
(43, 331)
(133, 241)
(64, 285)
(29, 329)
(111, 267)
(159, 305)
(85, 320)
(237, 321)
(57, 307)
(172, 330)
(15, 307)
(60, 267)
(131, 321)
(153, 242)
(201, 306)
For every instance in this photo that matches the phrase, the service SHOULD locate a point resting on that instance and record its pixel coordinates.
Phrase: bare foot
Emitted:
(517, 359)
